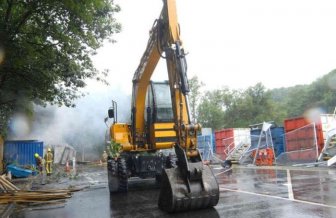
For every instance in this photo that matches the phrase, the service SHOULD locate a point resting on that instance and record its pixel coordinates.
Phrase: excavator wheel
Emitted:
(117, 175)
(122, 173)
(175, 197)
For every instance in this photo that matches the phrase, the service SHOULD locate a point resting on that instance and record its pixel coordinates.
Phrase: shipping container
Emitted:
(277, 139)
(206, 131)
(295, 123)
(301, 134)
(228, 139)
(206, 145)
(328, 122)
(303, 156)
(21, 152)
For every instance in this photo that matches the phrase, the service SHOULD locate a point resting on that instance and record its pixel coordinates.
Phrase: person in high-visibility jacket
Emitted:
(49, 159)
(39, 163)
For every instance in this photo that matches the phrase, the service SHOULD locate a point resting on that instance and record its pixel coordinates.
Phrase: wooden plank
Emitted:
(8, 183)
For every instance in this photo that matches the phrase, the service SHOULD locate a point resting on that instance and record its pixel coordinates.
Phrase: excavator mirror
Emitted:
(111, 113)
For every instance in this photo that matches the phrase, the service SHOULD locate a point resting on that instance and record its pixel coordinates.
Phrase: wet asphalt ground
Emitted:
(244, 192)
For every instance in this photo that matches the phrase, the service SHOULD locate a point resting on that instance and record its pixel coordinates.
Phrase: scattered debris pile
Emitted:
(12, 194)
(7, 186)
(33, 196)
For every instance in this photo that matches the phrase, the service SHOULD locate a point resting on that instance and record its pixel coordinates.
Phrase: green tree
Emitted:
(227, 108)
(322, 93)
(295, 101)
(210, 112)
(46, 49)
(254, 105)
(195, 94)
(212, 106)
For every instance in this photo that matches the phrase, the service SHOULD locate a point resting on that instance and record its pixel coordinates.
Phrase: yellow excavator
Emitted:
(160, 141)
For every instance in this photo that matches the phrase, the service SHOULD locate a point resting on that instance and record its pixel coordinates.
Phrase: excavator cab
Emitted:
(159, 116)
(158, 103)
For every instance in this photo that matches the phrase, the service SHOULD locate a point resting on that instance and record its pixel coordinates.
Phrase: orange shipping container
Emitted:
(304, 156)
(300, 134)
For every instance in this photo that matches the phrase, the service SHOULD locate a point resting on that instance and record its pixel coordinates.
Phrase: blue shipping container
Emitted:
(277, 138)
(203, 143)
(21, 152)
(205, 140)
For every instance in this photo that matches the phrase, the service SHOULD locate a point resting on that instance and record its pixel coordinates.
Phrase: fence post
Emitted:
(315, 140)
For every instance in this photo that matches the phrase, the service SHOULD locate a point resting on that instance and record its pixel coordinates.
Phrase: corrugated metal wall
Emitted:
(21, 152)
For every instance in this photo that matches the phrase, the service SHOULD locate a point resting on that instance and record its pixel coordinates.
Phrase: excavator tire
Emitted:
(122, 173)
(117, 175)
(175, 197)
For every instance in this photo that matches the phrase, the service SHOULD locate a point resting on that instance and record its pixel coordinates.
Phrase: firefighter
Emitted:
(39, 164)
(49, 158)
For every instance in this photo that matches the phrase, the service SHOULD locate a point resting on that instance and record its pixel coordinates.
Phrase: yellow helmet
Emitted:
(36, 155)
(49, 150)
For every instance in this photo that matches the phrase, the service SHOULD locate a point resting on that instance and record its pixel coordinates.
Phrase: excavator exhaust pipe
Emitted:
(182, 191)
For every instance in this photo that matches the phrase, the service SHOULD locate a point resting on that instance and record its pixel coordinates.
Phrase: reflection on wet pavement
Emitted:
(245, 192)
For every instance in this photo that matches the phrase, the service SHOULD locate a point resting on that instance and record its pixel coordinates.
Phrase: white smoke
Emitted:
(314, 114)
(82, 127)
(19, 125)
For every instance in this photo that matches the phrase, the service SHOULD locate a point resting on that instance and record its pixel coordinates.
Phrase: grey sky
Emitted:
(233, 43)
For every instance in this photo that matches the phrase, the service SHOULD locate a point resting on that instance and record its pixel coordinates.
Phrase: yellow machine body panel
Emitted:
(164, 135)
(120, 134)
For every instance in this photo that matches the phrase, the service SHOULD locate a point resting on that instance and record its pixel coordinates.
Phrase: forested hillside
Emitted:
(226, 108)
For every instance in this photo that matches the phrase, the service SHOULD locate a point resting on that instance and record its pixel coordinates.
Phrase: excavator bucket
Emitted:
(175, 196)
(190, 186)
